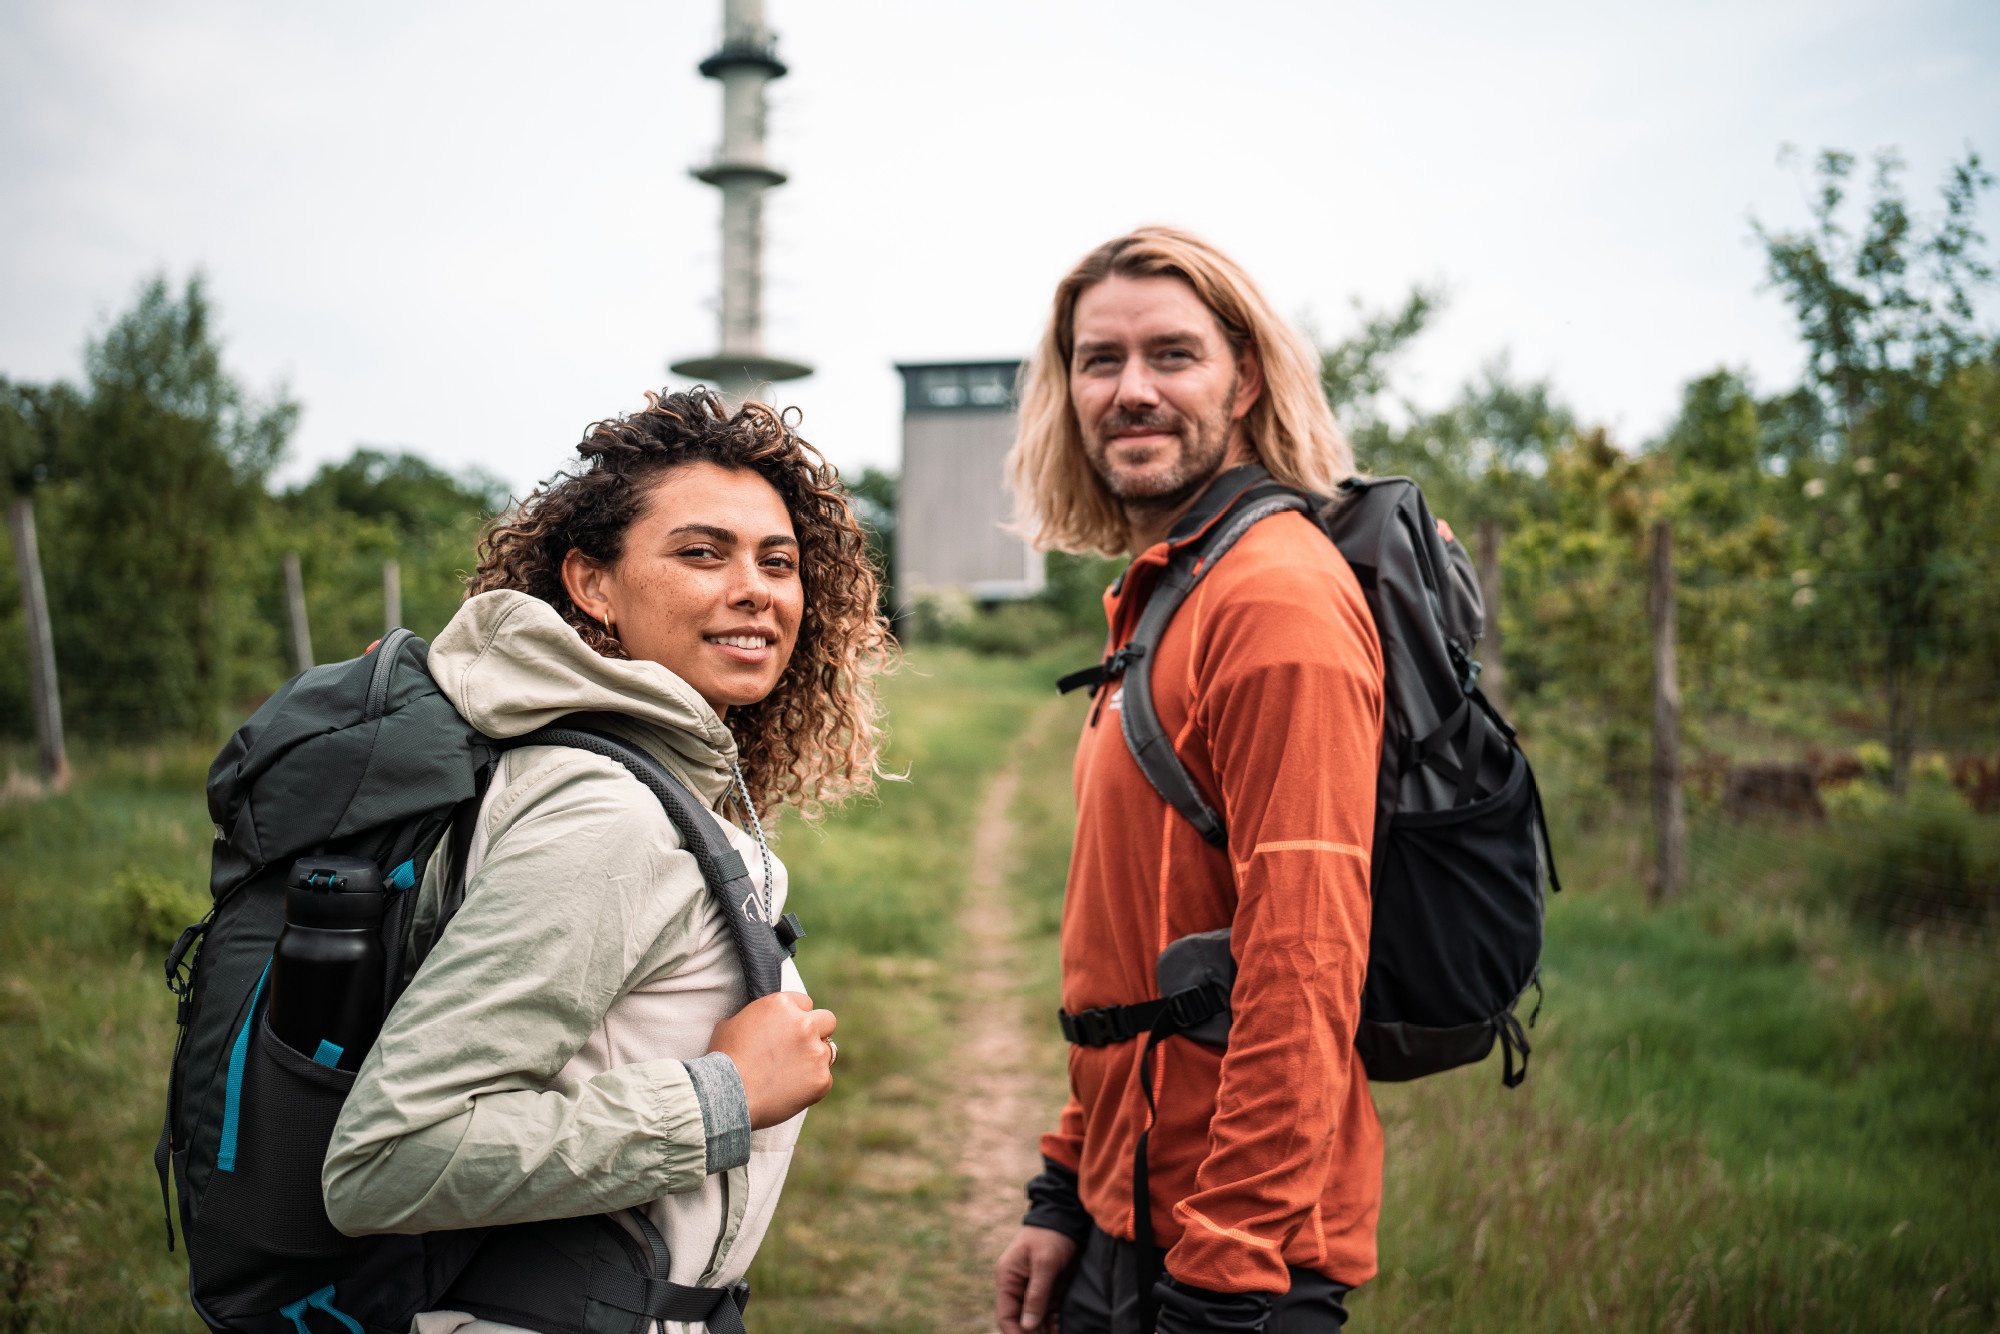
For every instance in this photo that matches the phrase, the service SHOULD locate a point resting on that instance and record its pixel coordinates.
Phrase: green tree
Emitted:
(1480, 457)
(1719, 476)
(1898, 359)
(873, 496)
(416, 497)
(350, 518)
(162, 486)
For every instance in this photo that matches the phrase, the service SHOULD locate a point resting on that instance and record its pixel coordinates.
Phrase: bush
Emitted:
(1926, 863)
(155, 908)
(1015, 629)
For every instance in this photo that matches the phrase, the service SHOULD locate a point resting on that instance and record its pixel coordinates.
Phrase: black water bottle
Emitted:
(327, 976)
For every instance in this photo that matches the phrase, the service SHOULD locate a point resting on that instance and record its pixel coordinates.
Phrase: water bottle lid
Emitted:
(336, 875)
(334, 892)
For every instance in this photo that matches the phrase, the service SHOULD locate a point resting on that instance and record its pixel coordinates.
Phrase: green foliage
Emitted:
(1012, 629)
(1840, 533)
(162, 545)
(1574, 617)
(154, 485)
(1357, 371)
(873, 496)
(1075, 589)
(28, 1210)
(155, 908)
(1923, 864)
(1902, 369)
(348, 520)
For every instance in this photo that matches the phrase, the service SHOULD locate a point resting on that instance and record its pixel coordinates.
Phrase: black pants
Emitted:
(1104, 1297)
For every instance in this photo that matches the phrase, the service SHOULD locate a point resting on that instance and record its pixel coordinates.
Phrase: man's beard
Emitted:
(1203, 444)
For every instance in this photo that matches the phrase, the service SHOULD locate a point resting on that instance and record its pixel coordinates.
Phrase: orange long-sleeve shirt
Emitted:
(1269, 681)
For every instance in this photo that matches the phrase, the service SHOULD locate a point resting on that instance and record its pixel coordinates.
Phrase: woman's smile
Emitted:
(752, 646)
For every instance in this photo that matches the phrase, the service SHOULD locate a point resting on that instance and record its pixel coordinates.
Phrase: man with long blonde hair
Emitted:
(1165, 384)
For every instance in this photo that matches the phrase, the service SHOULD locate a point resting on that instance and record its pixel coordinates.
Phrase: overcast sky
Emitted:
(467, 229)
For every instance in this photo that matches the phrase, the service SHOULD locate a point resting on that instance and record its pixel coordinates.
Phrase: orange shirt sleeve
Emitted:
(1286, 684)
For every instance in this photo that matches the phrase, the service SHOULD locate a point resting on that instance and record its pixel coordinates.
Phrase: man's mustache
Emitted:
(1119, 422)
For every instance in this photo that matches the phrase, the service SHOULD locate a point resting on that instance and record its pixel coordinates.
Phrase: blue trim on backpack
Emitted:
(328, 1054)
(403, 876)
(232, 1098)
(323, 1301)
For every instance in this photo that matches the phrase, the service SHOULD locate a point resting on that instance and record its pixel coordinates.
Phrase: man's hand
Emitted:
(1033, 1274)
(779, 1045)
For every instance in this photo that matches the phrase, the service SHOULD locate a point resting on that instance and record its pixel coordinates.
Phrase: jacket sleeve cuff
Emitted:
(725, 1110)
(1053, 1203)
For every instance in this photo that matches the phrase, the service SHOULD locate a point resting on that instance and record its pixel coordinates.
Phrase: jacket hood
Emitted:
(510, 664)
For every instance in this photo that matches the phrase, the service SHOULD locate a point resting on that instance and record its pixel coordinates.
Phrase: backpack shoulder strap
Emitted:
(1151, 747)
(722, 867)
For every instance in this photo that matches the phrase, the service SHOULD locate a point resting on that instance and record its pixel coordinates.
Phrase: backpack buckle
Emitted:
(1114, 665)
(1095, 1028)
(1194, 1005)
(789, 932)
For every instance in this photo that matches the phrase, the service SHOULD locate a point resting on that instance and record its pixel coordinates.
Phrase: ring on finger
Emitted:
(832, 1050)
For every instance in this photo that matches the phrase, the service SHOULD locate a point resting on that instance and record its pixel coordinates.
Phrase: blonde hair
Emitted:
(1062, 501)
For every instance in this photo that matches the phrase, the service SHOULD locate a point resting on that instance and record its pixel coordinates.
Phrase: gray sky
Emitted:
(468, 229)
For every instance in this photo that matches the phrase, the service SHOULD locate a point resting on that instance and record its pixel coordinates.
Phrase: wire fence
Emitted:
(1804, 782)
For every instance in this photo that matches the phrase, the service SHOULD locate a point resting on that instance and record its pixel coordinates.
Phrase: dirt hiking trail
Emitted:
(1007, 1088)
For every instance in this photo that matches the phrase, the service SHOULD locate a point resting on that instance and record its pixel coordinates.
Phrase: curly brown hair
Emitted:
(815, 739)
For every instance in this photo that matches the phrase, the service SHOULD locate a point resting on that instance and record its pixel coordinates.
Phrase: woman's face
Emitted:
(708, 585)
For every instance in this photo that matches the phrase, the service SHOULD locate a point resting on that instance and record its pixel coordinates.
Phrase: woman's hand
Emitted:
(779, 1045)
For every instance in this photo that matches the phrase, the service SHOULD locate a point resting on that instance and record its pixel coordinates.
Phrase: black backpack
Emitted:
(1460, 842)
(367, 758)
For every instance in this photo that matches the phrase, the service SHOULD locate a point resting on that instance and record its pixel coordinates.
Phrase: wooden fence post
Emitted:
(41, 643)
(392, 596)
(295, 612)
(1493, 671)
(1669, 809)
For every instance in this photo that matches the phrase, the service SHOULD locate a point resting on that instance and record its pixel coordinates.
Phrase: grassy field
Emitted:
(1744, 1112)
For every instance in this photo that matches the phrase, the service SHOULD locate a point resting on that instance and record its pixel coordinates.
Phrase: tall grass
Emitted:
(1752, 1110)
(1747, 1111)
(86, 1031)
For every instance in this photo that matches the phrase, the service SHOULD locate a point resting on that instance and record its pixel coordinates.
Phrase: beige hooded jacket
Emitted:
(547, 1059)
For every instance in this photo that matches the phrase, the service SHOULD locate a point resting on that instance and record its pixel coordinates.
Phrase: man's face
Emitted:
(1156, 389)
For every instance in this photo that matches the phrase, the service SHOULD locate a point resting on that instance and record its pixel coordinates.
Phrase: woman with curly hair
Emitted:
(578, 1042)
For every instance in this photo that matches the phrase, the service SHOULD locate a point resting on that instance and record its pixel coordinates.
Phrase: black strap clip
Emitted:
(1196, 1004)
(1113, 666)
(1107, 1024)
(180, 976)
(789, 933)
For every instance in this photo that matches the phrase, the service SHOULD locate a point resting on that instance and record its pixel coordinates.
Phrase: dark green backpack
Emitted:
(367, 758)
